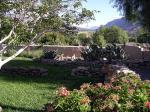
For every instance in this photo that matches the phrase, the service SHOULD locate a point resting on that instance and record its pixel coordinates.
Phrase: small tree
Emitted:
(84, 39)
(112, 35)
(99, 40)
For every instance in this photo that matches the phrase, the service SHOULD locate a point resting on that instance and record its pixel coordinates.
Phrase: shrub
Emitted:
(92, 53)
(34, 54)
(99, 40)
(9, 52)
(50, 55)
(53, 39)
(124, 93)
(110, 52)
(112, 35)
(84, 39)
(71, 101)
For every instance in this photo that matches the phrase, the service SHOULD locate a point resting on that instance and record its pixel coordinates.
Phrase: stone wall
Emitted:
(67, 51)
(134, 53)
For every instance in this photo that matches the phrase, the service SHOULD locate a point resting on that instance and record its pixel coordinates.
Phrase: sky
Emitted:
(107, 12)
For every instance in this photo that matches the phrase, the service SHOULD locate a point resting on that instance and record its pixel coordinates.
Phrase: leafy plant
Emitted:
(32, 54)
(71, 101)
(124, 93)
(50, 55)
(113, 52)
(110, 52)
(92, 53)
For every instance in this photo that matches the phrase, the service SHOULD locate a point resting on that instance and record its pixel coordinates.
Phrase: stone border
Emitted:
(69, 63)
(22, 71)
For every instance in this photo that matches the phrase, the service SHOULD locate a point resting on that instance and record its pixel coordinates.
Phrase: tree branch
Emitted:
(7, 37)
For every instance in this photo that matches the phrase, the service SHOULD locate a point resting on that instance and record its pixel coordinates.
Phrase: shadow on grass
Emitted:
(57, 75)
(18, 109)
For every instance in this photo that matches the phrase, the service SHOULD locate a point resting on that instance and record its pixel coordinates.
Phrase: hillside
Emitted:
(122, 23)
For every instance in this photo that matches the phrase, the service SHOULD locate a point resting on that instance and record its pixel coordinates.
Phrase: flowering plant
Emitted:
(124, 93)
(71, 101)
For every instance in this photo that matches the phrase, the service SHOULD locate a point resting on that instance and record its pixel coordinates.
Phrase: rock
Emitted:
(1, 109)
(86, 71)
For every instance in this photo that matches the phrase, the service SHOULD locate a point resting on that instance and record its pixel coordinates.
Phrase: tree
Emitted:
(135, 10)
(84, 39)
(52, 38)
(112, 35)
(143, 37)
(99, 40)
(23, 21)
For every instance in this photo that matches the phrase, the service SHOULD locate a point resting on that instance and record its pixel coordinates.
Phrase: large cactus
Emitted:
(110, 52)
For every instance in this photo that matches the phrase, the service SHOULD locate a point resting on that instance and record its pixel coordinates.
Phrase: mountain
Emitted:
(89, 29)
(124, 24)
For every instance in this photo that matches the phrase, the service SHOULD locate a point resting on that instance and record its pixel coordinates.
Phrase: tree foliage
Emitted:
(112, 34)
(135, 10)
(37, 16)
(23, 21)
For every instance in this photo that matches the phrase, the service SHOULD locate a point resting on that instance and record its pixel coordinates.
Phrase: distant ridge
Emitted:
(122, 23)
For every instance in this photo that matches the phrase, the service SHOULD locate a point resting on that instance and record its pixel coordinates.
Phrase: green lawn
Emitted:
(28, 94)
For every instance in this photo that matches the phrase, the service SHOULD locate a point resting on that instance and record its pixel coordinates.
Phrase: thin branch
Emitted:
(4, 49)
(7, 37)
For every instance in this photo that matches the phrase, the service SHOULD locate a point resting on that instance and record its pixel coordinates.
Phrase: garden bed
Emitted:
(69, 63)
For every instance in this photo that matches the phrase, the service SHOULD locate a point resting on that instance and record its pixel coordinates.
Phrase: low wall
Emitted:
(133, 52)
(67, 51)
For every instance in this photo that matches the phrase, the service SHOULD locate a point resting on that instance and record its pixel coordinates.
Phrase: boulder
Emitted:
(1, 109)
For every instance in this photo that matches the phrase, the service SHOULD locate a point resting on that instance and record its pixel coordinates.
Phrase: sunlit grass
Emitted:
(29, 94)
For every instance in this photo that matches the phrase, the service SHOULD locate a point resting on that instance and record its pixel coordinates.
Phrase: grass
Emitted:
(28, 94)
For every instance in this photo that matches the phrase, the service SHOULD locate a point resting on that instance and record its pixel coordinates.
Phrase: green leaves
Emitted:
(98, 53)
(135, 10)
(112, 35)
(40, 16)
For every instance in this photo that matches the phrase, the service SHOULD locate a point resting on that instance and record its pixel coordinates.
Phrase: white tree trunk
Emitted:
(7, 37)
(2, 62)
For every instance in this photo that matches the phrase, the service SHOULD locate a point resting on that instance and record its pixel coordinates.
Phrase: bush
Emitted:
(84, 39)
(110, 52)
(70, 101)
(92, 53)
(111, 35)
(50, 55)
(75, 101)
(124, 93)
(53, 39)
(34, 54)
(9, 52)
